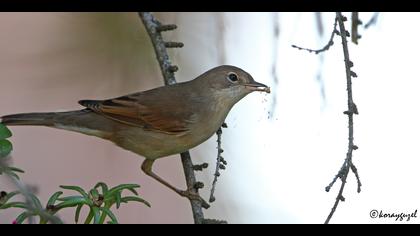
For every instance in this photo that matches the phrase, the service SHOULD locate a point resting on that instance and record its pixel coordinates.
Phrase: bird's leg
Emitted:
(147, 169)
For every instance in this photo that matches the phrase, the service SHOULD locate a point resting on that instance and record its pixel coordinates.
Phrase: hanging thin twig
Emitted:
(351, 110)
(327, 46)
(220, 163)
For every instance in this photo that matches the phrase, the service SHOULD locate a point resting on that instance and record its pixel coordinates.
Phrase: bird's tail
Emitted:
(82, 121)
(44, 118)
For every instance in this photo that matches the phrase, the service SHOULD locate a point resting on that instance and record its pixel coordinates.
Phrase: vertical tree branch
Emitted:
(153, 28)
(352, 109)
(196, 205)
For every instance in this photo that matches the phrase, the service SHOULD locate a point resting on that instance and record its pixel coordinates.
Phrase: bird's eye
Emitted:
(232, 77)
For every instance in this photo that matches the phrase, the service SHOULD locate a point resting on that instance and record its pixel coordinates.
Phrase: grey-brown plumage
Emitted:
(158, 122)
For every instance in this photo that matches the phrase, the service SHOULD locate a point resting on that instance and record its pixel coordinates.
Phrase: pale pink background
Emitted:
(49, 61)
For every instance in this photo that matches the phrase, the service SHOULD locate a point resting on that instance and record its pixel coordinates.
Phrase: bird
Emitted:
(159, 122)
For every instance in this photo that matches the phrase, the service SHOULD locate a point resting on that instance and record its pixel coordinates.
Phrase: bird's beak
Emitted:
(255, 86)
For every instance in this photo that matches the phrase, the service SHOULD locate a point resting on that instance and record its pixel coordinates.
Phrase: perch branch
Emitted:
(352, 109)
(153, 28)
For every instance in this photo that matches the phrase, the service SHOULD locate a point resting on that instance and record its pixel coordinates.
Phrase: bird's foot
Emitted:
(192, 195)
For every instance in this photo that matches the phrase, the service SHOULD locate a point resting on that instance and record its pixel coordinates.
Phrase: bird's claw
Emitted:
(194, 196)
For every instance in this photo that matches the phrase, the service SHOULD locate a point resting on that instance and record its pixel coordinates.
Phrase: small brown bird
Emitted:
(158, 122)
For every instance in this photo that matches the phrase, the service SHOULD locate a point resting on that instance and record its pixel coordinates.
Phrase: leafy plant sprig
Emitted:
(99, 199)
(6, 148)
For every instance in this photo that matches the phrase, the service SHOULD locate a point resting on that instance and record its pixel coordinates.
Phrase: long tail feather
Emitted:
(83, 121)
(29, 119)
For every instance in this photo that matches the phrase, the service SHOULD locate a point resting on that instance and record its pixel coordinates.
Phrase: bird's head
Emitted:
(230, 83)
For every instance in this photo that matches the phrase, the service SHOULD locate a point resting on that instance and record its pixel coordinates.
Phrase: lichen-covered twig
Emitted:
(154, 29)
(220, 162)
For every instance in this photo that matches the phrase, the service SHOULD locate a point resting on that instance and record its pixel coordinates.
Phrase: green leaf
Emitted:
(4, 132)
(54, 198)
(68, 204)
(71, 202)
(22, 205)
(71, 198)
(5, 147)
(78, 209)
(89, 217)
(111, 215)
(94, 193)
(76, 188)
(11, 173)
(22, 217)
(118, 199)
(9, 196)
(96, 215)
(121, 187)
(103, 186)
(36, 201)
(16, 169)
(133, 191)
(45, 218)
(135, 199)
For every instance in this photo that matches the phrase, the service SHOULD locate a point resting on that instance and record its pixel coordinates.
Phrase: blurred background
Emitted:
(282, 149)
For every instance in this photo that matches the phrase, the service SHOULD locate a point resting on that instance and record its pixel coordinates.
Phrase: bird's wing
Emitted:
(143, 111)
